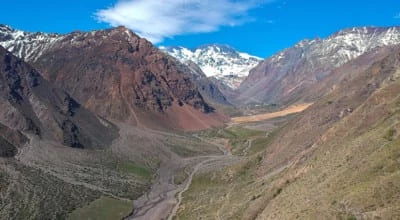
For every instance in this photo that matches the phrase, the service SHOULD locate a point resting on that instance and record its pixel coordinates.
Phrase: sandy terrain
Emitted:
(261, 117)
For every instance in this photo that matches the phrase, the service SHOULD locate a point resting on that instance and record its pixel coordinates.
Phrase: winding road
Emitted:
(189, 182)
(164, 198)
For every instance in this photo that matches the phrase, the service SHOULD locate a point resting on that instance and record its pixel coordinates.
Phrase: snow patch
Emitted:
(28, 46)
(219, 61)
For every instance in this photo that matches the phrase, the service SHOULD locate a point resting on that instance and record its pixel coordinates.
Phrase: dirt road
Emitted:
(159, 201)
(199, 166)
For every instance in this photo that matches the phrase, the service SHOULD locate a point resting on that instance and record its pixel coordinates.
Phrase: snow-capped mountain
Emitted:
(285, 75)
(345, 45)
(26, 45)
(219, 61)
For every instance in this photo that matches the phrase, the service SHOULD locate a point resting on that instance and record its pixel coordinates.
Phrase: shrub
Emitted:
(390, 134)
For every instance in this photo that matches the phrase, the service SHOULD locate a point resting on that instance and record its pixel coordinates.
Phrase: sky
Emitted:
(258, 27)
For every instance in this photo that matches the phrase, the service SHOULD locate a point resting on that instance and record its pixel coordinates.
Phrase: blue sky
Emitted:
(259, 27)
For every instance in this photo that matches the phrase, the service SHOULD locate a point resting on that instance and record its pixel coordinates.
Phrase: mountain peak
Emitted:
(124, 30)
(5, 27)
(365, 30)
(218, 47)
(356, 30)
(217, 60)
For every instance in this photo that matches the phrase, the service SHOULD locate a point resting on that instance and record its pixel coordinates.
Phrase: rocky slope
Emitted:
(118, 75)
(31, 104)
(284, 77)
(207, 87)
(351, 148)
(220, 61)
(339, 159)
(10, 141)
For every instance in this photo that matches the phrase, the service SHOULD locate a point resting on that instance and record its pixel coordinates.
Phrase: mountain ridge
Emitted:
(283, 77)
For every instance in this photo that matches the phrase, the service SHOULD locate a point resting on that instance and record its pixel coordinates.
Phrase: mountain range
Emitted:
(286, 76)
(104, 125)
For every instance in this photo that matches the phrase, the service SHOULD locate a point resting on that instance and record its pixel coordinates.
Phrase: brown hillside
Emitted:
(123, 77)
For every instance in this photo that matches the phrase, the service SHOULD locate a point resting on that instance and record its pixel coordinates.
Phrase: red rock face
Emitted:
(120, 76)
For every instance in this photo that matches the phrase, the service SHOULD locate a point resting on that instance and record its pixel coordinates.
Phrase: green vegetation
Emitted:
(278, 191)
(347, 216)
(261, 143)
(239, 132)
(30, 193)
(263, 108)
(244, 141)
(135, 169)
(351, 217)
(248, 169)
(181, 150)
(214, 193)
(191, 147)
(197, 198)
(390, 134)
(104, 208)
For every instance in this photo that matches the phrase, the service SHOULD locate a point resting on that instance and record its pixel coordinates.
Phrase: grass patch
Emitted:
(247, 171)
(236, 132)
(239, 133)
(261, 143)
(103, 208)
(197, 198)
(238, 137)
(191, 147)
(182, 150)
(134, 169)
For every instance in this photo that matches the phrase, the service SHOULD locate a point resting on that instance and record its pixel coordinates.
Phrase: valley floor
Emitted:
(165, 198)
(165, 195)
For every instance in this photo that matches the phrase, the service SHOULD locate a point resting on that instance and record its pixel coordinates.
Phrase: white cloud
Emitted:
(160, 19)
(397, 16)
